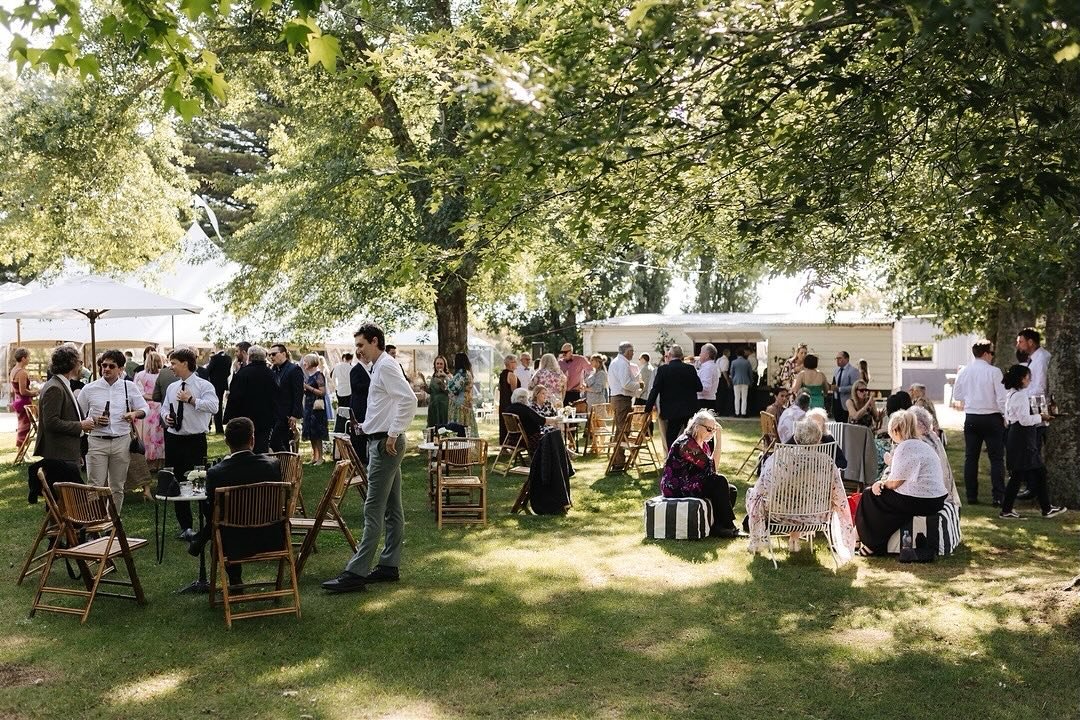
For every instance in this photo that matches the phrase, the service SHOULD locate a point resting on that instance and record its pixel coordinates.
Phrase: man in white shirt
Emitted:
(109, 455)
(1029, 345)
(524, 370)
(978, 386)
(339, 374)
(709, 373)
(391, 404)
(647, 371)
(189, 404)
(624, 384)
(785, 428)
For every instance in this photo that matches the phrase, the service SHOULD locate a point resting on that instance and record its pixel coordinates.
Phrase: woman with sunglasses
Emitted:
(688, 472)
(860, 406)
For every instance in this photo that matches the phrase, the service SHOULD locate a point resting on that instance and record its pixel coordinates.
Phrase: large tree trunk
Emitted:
(1063, 436)
(452, 317)
(1002, 327)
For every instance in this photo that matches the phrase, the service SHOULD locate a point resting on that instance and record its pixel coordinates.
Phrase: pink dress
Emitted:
(18, 406)
(150, 429)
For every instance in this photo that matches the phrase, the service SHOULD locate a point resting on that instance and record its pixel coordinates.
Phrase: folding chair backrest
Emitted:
(462, 454)
(603, 410)
(292, 472)
(335, 489)
(83, 505)
(512, 423)
(637, 422)
(251, 506)
(32, 415)
(51, 505)
(768, 424)
(802, 480)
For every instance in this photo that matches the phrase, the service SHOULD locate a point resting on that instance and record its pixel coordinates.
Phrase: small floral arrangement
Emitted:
(568, 411)
(444, 432)
(194, 475)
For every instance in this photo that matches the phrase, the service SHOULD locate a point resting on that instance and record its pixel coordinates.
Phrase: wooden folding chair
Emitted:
(329, 508)
(601, 432)
(292, 472)
(50, 528)
(358, 474)
(462, 473)
(764, 444)
(514, 445)
(251, 507)
(27, 443)
(89, 509)
(636, 443)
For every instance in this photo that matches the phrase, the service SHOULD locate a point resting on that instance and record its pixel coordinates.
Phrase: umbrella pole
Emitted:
(93, 345)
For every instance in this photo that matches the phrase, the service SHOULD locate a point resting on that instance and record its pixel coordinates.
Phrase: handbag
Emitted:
(136, 445)
(319, 404)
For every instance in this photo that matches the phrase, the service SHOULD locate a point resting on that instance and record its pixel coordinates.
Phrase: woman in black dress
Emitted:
(508, 383)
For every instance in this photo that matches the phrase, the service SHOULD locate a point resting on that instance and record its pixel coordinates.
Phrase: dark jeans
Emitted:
(989, 429)
(183, 453)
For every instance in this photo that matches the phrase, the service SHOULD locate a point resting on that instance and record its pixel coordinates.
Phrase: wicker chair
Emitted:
(800, 494)
(292, 472)
(461, 473)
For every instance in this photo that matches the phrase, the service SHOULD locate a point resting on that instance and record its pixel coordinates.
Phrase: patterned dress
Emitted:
(553, 380)
(460, 388)
(150, 428)
(315, 427)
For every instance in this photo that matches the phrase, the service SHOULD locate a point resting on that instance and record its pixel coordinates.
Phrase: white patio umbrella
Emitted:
(92, 297)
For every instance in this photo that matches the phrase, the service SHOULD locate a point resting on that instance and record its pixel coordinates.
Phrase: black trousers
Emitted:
(879, 516)
(1036, 483)
(839, 411)
(722, 496)
(281, 436)
(674, 428)
(988, 429)
(218, 427)
(183, 453)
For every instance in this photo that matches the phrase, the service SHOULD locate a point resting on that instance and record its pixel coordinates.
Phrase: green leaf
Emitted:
(194, 8)
(88, 65)
(296, 31)
(324, 50)
(641, 9)
(1069, 52)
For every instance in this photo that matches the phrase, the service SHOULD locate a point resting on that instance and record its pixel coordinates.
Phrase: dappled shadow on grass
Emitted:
(567, 616)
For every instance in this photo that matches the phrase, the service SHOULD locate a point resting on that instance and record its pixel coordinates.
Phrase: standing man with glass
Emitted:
(189, 404)
(114, 404)
(844, 379)
(391, 405)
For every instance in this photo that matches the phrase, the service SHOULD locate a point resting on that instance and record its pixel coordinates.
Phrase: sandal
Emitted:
(864, 551)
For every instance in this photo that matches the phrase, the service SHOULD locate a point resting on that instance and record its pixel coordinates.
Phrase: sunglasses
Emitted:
(274, 352)
(710, 428)
(109, 366)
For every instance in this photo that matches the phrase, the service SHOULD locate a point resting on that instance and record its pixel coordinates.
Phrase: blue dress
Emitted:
(315, 420)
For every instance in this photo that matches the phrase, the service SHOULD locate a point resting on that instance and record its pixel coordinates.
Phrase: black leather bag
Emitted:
(167, 484)
(136, 445)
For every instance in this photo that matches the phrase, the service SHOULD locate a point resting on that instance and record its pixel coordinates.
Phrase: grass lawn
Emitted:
(574, 616)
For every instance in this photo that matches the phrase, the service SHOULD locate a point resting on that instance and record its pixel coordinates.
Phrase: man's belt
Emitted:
(376, 436)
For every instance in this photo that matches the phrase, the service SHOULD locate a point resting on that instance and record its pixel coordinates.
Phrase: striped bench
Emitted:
(686, 518)
(945, 531)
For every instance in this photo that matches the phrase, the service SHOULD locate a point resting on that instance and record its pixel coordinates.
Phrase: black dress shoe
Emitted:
(383, 573)
(346, 582)
(1025, 494)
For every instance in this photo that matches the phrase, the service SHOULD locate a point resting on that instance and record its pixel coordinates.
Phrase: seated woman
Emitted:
(916, 486)
(928, 433)
(688, 472)
(541, 404)
(532, 423)
(821, 420)
(807, 432)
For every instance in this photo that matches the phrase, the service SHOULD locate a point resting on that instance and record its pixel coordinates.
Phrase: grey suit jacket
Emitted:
(58, 428)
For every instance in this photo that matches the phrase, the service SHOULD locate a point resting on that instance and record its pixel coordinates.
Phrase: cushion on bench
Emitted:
(687, 518)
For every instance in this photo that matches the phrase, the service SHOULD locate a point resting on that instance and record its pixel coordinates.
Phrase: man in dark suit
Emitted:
(251, 395)
(61, 425)
(217, 372)
(242, 467)
(288, 398)
(676, 384)
(359, 383)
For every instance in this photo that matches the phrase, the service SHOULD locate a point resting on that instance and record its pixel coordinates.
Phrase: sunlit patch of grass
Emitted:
(154, 687)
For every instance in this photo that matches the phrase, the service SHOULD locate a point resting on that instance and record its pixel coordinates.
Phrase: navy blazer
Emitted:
(289, 397)
(677, 385)
(359, 383)
(251, 395)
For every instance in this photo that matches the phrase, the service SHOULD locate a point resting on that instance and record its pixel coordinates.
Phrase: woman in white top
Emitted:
(1022, 456)
(915, 486)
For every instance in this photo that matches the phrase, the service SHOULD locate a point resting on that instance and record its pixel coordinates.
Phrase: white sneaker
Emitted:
(1055, 511)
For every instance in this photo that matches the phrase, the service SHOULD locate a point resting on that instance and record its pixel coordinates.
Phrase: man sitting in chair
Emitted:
(242, 467)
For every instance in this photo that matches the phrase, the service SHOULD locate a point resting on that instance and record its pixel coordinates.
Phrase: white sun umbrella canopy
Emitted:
(92, 297)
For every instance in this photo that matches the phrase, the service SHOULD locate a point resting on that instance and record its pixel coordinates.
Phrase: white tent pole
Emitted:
(172, 324)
